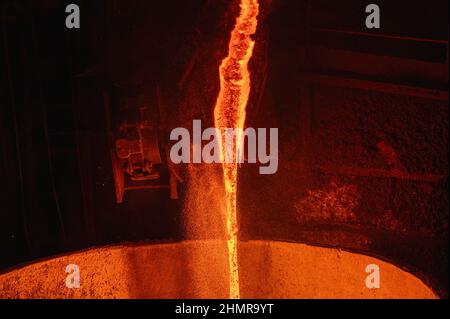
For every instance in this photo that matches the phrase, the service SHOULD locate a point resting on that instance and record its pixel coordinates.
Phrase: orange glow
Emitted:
(229, 112)
(183, 270)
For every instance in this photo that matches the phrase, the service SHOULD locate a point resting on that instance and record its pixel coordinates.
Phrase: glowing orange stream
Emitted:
(229, 112)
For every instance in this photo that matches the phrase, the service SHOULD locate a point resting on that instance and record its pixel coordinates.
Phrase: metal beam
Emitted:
(337, 81)
(381, 35)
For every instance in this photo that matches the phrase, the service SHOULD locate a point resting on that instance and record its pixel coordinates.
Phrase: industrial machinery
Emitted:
(136, 155)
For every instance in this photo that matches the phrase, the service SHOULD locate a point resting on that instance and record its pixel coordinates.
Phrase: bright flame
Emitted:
(230, 112)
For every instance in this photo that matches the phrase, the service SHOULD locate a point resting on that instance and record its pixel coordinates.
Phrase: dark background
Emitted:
(57, 188)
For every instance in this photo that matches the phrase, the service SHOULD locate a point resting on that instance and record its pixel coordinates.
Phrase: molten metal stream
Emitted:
(229, 112)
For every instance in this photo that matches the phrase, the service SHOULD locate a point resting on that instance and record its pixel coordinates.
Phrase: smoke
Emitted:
(204, 204)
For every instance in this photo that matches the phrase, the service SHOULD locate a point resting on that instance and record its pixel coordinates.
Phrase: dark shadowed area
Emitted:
(363, 135)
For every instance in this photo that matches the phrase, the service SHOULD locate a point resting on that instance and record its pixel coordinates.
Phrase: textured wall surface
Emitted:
(197, 269)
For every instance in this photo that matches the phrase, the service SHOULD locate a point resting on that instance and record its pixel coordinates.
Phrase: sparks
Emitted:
(230, 112)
